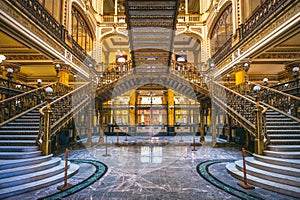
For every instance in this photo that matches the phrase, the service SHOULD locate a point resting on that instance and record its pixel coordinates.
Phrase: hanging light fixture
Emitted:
(120, 54)
(2, 57)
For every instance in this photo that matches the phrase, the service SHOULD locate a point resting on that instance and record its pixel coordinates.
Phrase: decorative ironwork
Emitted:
(63, 109)
(20, 103)
(238, 106)
(269, 7)
(284, 102)
(42, 16)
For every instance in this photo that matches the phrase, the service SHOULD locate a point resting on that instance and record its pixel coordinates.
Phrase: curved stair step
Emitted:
(285, 141)
(34, 185)
(18, 137)
(18, 148)
(30, 168)
(284, 136)
(295, 163)
(269, 185)
(284, 147)
(35, 176)
(21, 132)
(6, 164)
(290, 154)
(19, 155)
(18, 142)
(271, 176)
(290, 171)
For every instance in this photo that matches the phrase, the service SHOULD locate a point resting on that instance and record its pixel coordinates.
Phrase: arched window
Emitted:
(222, 30)
(80, 31)
(54, 7)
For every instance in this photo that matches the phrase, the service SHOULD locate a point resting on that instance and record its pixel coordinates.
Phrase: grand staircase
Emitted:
(23, 168)
(278, 168)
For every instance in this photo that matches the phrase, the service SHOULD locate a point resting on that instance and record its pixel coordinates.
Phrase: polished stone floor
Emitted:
(152, 171)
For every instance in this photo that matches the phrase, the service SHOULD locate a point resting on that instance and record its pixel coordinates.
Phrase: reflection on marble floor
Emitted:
(152, 172)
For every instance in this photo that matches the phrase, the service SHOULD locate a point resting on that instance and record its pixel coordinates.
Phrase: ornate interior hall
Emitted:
(149, 99)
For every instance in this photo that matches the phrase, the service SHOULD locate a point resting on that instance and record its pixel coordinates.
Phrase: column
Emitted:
(171, 111)
(213, 125)
(101, 127)
(202, 131)
(196, 55)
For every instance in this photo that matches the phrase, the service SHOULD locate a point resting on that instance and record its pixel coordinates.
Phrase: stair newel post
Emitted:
(259, 145)
(47, 127)
(244, 184)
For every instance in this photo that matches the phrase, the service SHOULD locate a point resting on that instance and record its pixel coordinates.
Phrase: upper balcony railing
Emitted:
(121, 18)
(222, 51)
(268, 8)
(41, 15)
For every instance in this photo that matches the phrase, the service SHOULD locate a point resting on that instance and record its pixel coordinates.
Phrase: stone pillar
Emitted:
(213, 125)
(202, 131)
(101, 127)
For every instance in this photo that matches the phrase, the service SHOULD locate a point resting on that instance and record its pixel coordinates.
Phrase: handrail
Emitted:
(62, 110)
(238, 106)
(285, 102)
(20, 103)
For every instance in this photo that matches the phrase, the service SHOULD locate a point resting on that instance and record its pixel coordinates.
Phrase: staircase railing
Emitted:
(57, 114)
(284, 102)
(248, 113)
(14, 106)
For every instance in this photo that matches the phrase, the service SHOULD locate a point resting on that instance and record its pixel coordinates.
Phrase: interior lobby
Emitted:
(148, 99)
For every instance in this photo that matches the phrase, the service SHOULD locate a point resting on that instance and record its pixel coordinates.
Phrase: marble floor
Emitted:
(152, 171)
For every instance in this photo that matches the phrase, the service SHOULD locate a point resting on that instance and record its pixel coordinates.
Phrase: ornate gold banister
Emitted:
(288, 104)
(60, 112)
(248, 113)
(14, 106)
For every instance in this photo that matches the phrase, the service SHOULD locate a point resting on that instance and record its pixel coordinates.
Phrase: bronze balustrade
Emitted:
(284, 102)
(18, 104)
(248, 113)
(42, 16)
(269, 7)
(63, 110)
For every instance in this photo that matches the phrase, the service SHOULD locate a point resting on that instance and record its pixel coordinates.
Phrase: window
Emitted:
(80, 31)
(54, 7)
(222, 30)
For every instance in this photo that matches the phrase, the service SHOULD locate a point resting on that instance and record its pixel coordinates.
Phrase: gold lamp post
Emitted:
(47, 113)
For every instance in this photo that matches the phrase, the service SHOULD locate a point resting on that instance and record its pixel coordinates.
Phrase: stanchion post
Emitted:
(66, 185)
(244, 184)
(106, 154)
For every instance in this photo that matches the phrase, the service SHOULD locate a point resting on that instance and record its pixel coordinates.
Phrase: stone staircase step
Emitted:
(18, 137)
(19, 155)
(284, 136)
(29, 168)
(289, 154)
(21, 132)
(290, 171)
(295, 163)
(34, 185)
(19, 127)
(284, 148)
(23, 124)
(35, 176)
(7, 164)
(18, 148)
(288, 127)
(18, 142)
(284, 141)
(267, 175)
(27, 120)
(271, 123)
(269, 185)
(278, 119)
(283, 131)
(30, 117)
